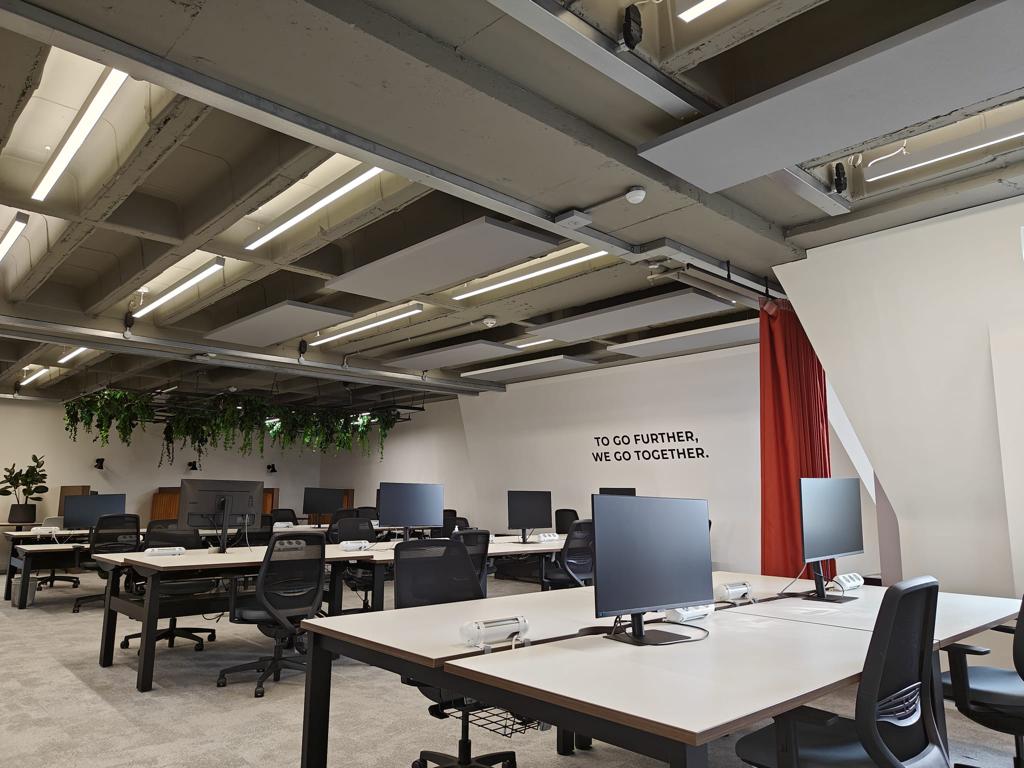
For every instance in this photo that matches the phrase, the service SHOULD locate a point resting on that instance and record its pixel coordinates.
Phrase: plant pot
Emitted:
(22, 514)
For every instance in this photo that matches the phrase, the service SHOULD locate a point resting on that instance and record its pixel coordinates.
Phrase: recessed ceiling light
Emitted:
(699, 9)
(34, 376)
(409, 313)
(534, 343)
(196, 277)
(72, 355)
(102, 94)
(13, 232)
(320, 204)
(530, 275)
(932, 161)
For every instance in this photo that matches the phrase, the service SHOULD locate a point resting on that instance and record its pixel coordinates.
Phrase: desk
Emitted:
(665, 702)
(28, 557)
(194, 564)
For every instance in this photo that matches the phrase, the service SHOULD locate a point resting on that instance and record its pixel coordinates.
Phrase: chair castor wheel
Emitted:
(125, 643)
(74, 585)
(222, 682)
(259, 692)
(508, 764)
(419, 764)
(213, 636)
(75, 609)
(199, 646)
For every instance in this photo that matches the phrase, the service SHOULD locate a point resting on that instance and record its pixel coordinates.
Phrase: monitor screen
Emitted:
(617, 491)
(650, 554)
(410, 505)
(322, 501)
(830, 507)
(529, 509)
(203, 502)
(81, 512)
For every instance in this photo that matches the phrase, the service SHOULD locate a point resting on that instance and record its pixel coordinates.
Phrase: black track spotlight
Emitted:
(99, 464)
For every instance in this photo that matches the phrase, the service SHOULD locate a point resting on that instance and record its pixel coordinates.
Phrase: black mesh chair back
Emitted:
(895, 718)
(449, 524)
(476, 541)
(355, 529)
(343, 513)
(283, 516)
(577, 554)
(366, 513)
(160, 524)
(290, 581)
(565, 518)
(162, 536)
(115, 533)
(449, 513)
(433, 571)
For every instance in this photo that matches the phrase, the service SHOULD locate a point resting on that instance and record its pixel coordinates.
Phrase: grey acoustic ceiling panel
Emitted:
(531, 369)
(478, 248)
(667, 308)
(454, 356)
(716, 336)
(955, 60)
(277, 323)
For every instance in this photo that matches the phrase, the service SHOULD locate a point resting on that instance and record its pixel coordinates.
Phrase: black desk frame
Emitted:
(31, 561)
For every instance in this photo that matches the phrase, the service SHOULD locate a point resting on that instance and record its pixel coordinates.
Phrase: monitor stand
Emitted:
(638, 635)
(224, 505)
(406, 534)
(820, 595)
(524, 538)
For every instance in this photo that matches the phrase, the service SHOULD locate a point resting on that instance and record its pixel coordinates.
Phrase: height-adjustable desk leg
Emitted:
(690, 757)
(377, 602)
(317, 710)
(335, 589)
(109, 618)
(147, 651)
(11, 568)
(26, 577)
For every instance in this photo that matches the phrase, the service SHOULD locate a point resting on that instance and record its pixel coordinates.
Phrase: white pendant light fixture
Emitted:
(699, 9)
(13, 232)
(205, 271)
(72, 355)
(531, 275)
(415, 309)
(34, 376)
(110, 81)
(308, 210)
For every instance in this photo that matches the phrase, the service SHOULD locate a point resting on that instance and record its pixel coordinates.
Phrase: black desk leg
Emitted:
(316, 715)
(109, 618)
(26, 577)
(9, 582)
(689, 757)
(584, 742)
(151, 612)
(377, 601)
(335, 589)
(564, 743)
(938, 703)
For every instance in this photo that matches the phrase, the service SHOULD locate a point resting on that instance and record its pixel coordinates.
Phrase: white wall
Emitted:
(900, 320)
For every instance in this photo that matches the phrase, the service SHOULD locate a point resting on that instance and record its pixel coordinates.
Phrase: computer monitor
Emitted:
(650, 554)
(220, 504)
(322, 502)
(81, 512)
(617, 491)
(410, 505)
(528, 510)
(830, 510)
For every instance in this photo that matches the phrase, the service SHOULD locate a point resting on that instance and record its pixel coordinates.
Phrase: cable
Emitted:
(782, 592)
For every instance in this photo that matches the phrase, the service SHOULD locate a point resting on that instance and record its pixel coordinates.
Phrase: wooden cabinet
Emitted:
(165, 502)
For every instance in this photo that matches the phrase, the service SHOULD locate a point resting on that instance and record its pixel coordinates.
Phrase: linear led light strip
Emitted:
(72, 355)
(934, 160)
(107, 86)
(534, 343)
(530, 275)
(13, 232)
(320, 204)
(414, 311)
(34, 376)
(699, 9)
(212, 268)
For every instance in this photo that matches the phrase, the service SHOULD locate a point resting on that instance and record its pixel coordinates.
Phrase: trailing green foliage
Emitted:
(232, 421)
(26, 484)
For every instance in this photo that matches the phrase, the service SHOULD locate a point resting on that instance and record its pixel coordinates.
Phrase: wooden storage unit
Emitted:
(166, 498)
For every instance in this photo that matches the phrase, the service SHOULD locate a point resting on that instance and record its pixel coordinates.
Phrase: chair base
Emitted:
(53, 578)
(267, 666)
(500, 759)
(173, 631)
(80, 601)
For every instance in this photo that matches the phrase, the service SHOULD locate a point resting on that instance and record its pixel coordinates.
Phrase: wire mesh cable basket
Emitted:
(499, 721)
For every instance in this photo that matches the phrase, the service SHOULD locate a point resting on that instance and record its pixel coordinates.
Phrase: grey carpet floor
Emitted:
(59, 708)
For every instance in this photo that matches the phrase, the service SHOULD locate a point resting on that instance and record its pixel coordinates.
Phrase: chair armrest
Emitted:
(960, 649)
(958, 673)
(1005, 630)
(809, 716)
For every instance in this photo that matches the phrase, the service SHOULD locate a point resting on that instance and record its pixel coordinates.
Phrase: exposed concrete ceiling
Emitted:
(212, 144)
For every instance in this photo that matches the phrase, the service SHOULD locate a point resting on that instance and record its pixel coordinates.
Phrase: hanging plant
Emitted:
(107, 409)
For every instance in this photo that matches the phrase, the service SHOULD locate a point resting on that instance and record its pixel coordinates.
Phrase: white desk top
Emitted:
(18, 535)
(51, 547)
(198, 559)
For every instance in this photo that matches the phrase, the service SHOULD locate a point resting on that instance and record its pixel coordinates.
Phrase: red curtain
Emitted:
(794, 434)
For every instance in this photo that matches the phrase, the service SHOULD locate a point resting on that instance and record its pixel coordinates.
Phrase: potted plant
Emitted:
(26, 485)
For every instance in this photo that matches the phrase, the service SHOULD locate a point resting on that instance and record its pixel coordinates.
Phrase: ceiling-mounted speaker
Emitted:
(632, 27)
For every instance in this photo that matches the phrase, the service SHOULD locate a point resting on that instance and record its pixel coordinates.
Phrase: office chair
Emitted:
(431, 572)
(53, 578)
(153, 525)
(112, 534)
(894, 725)
(366, 513)
(438, 533)
(283, 516)
(357, 576)
(991, 697)
(289, 588)
(449, 524)
(160, 535)
(573, 565)
(563, 519)
(476, 541)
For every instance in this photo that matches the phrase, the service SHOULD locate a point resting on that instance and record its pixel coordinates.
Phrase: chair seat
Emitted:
(990, 687)
(820, 747)
(251, 611)
(558, 576)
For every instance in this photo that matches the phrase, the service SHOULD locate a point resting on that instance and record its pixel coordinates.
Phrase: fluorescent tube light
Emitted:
(367, 327)
(533, 343)
(323, 202)
(197, 277)
(13, 232)
(72, 355)
(528, 276)
(934, 160)
(34, 376)
(107, 86)
(699, 9)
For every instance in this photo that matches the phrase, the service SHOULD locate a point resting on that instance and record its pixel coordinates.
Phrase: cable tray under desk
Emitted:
(498, 720)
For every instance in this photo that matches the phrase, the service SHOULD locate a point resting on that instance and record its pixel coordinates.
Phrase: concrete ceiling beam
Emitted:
(21, 69)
